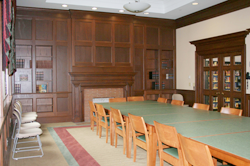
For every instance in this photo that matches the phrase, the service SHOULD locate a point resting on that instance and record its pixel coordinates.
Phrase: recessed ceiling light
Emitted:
(94, 8)
(146, 13)
(121, 11)
(64, 5)
(195, 3)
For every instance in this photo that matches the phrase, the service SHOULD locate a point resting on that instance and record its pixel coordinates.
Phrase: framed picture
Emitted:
(43, 88)
(24, 77)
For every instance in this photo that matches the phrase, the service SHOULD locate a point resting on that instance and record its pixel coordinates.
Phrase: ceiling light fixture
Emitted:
(146, 13)
(195, 3)
(137, 6)
(121, 11)
(64, 5)
(94, 8)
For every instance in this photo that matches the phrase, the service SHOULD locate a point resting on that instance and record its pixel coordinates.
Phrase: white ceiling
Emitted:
(168, 9)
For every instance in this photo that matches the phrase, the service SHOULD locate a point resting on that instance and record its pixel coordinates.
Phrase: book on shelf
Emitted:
(39, 76)
(24, 77)
(20, 63)
(42, 88)
(17, 88)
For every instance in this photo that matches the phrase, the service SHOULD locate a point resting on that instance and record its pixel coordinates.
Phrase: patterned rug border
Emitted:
(73, 152)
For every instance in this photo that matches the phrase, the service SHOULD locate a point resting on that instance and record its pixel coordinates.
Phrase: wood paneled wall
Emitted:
(90, 50)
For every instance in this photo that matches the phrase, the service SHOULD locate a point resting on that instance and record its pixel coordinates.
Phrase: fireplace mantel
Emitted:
(83, 80)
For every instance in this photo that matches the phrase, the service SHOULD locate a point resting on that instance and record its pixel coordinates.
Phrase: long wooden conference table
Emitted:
(228, 136)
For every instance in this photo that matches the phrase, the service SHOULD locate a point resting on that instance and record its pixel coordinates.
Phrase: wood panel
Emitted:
(83, 30)
(62, 105)
(122, 33)
(103, 54)
(138, 34)
(138, 85)
(122, 54)
(103, 31)
(23, 29)
(62, 69)
(167, 37)
(61, 30)
(152, 35)
(44, 29)
(83, 54)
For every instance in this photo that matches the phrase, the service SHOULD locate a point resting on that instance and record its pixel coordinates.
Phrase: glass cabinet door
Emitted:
(206, 79)
(237, 80)
(215, 103)
(215, 80)
(237, 103)
(226, 102)
(227, 80)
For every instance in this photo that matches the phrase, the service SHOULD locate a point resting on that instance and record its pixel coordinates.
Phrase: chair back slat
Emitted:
(201, 106)
(18, 119)
(162, 100)
(135, 98)
(111, 100)
(195, 153)
(167, 134)
(138, 123)
(92, 107)
(177, 102)
(116, 115)
(232, 111)
(100, 110)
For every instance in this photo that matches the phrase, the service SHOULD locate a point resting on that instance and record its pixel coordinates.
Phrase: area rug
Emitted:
(72, 151)
(81, 146)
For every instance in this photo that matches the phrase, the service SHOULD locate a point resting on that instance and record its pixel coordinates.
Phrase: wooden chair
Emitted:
(103, 120)
(93, 117)
(135, 98)
(232, 111)
(111, 100)
(119, 126)
(162, 100)
(140, 133)
(195, 153)
(168, 136)
(201, 106)
(177, 102)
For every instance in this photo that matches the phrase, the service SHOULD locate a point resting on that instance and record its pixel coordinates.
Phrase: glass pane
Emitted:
(227, 61)
(226, 102)
(237, 103)
(237, 80)
(237, 60)
(206, 62)
(227, 79)
(215, 103)
(215, 79)
(206, 79)
(206, 99)
(215, 61)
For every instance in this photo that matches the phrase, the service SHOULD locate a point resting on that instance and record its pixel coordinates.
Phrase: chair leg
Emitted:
(107, 134)
(100, 131)
(124, 145)
(134, 152)
(14, 130)
(115, 140)
(92, 124)
(97, 127)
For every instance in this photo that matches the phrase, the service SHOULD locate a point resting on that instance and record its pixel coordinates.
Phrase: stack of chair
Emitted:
(25, 127)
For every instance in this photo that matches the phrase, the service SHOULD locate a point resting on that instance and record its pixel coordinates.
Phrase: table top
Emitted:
(230, 133)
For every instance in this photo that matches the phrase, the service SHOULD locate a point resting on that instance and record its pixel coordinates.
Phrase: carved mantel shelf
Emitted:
(102, 79)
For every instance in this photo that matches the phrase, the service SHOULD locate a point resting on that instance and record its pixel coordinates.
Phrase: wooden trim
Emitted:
(211, 12)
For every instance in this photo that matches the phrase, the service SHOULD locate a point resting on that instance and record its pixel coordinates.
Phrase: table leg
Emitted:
(128, 137)
(151, 152)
